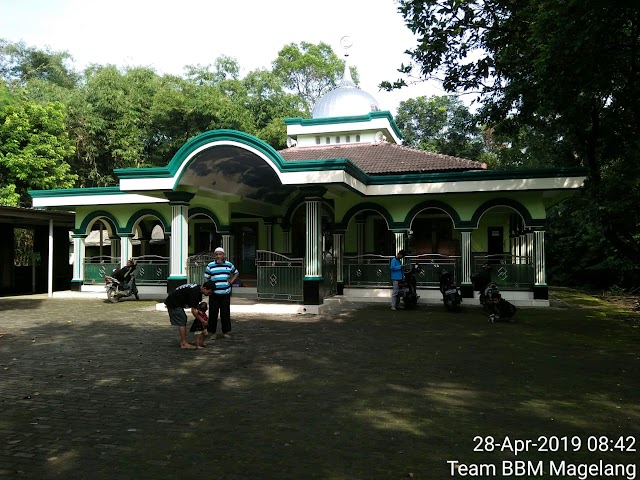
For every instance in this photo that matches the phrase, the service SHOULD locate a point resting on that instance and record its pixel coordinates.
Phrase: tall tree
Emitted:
(441, 124)
(569, 70)
(34, 146)
(310, 70)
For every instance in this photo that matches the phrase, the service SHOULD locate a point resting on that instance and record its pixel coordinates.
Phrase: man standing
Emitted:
(223, 274)
(187, 295)
(397, 275)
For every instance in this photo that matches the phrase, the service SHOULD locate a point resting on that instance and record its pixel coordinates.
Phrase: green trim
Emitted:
(309, 122)
(313, 279)
(502, 202)
(113, 223)
(477, 175)
(177, 277)
(145, 212)
(448, 209)
(76, 192)
(361, 207)
(207, 213)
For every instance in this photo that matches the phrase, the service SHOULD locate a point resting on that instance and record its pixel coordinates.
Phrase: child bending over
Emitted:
(199, 325)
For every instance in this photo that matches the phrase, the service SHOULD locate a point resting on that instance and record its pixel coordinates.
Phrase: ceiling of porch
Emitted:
(227, 170)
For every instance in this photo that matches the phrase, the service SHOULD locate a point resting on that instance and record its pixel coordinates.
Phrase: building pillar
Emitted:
(268, 227)
(227, 246)
(360, 235)
(312, 294)
(338, 254)
(126, 248)
(466, 285)
(286, 241)
(400, 236)
(540, 288)
(115, 246)
(78, 261)
(179, 246)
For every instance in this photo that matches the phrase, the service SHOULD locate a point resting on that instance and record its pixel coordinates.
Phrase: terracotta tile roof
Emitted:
(384, 158)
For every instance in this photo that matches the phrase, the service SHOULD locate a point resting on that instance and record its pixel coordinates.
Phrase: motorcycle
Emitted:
(408, 290)
(117, 290)
(451, 295)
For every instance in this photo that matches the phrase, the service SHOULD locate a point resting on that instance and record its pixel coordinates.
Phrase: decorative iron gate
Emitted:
(196, 265)
(279, 277)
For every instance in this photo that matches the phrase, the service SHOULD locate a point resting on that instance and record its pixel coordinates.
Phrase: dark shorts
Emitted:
(177, 316)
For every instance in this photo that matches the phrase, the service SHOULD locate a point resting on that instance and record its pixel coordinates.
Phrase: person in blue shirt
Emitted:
(397, 275)
(223, 274)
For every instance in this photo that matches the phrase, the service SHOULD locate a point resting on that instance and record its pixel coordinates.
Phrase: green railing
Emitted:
(279, 277)
(507, 271)
(95, 268)
(151, 270)
(374, 271)
(366, 271)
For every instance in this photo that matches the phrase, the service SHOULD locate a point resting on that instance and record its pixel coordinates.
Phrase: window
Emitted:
(327, 140)
(348, 138)
(357, 138)
(337, 139)
(317, 140)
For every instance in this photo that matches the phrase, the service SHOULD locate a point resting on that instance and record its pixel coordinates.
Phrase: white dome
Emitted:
(345, 101)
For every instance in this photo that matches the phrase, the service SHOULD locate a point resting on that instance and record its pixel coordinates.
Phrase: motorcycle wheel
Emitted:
(112, 295)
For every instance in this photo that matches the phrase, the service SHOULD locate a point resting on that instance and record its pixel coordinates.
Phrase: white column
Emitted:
(269, 232)
(540, 274)
(529, 248)
(226, 245)
(400, 241)
(286, 241)
(179, 245)
(360, 236)
(78, 254)
(50, 262)
(115, 246)
(313, 243)
(338, 254)
(126, 248)
(465, 257)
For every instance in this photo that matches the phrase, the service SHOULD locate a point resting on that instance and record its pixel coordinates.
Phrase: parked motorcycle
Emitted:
(451, 295)
(117, 290)
(122, 282)
(408, 290)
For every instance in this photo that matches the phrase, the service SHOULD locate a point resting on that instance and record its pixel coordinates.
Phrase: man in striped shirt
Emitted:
(223, 274)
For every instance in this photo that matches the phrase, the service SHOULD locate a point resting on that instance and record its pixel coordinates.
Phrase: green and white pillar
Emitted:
(179, 245)
(338, 254)
(540, 288)
(313, 252)
(466, 285)
(78, 260)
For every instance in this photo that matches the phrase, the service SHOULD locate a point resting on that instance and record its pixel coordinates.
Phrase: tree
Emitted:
(568, 71)
(34, 146)
(310, 70)
(19, 64)
(441, 124)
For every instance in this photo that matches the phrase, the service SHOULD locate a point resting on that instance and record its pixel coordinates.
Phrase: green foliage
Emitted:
(34, 146)
(441, 124)
(309, 70)
(558, 84)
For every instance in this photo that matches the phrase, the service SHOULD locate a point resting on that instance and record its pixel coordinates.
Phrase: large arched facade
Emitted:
(334, 206)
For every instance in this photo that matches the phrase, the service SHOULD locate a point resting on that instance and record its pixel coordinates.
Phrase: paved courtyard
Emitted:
(92, 390)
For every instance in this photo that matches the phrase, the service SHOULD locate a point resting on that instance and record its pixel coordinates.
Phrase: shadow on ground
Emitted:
(102, 391)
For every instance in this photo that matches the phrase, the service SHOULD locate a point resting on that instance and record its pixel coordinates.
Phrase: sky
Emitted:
(167, 36)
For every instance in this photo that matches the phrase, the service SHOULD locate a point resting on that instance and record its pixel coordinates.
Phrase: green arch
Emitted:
(186, 151)
(296, 203)
(143, 213)
(445, 207)
(504, 202)
(208, 213)
(353, 211)
(101, 214)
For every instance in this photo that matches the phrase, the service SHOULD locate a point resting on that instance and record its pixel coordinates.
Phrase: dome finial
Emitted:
(346, 81)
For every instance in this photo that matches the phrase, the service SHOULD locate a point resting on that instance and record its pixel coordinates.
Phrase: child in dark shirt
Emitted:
(199, 325)
(500, 310)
